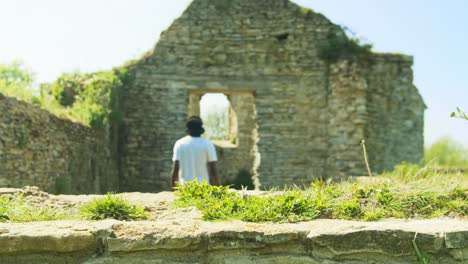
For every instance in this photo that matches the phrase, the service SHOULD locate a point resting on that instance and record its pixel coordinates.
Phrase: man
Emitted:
(194, 157)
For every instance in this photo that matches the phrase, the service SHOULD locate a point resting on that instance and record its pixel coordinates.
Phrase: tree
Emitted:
(16, 80)
(447, 152)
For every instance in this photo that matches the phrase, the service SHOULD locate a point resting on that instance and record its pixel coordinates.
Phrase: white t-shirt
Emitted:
(193, 154)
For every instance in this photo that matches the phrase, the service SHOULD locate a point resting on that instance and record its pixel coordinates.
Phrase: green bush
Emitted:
(112, 206)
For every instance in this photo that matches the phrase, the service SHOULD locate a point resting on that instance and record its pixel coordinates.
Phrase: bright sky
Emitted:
(56, 36)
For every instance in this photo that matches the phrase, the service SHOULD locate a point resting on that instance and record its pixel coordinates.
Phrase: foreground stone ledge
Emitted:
(56, 236)
(196, 241)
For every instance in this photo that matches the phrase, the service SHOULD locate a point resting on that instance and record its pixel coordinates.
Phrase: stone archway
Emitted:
(238, 155)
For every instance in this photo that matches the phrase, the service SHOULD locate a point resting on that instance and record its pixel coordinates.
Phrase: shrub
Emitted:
(112, 206)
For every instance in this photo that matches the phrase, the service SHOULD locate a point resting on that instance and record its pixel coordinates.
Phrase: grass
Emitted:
(408, 192)
(112, 206)
(17, 209)
(218, 203)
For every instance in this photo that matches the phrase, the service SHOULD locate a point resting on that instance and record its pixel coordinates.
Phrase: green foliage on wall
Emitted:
(89, 98)
(339, 45)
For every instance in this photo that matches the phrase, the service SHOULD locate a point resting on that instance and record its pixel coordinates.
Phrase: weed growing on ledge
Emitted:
(112, 206)
(218, 203)
(427, 194)
(17, 209)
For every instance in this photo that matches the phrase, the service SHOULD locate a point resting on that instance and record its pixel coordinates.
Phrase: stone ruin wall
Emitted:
(298, 116)
(311, 116)
(40, 149)
(395, 113)
(374, 100)
(211, 47)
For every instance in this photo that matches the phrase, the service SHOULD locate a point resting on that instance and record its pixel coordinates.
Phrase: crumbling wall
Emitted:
(348, 118)
(40, 149)
(305, 118)
(311, 114)
(373, 99)
(269, 47)
(395, 112)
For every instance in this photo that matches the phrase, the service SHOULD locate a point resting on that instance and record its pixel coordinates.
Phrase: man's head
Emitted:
(194, 126)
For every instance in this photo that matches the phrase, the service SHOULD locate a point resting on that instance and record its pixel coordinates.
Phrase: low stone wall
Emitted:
(195, 241)
(38, 148)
